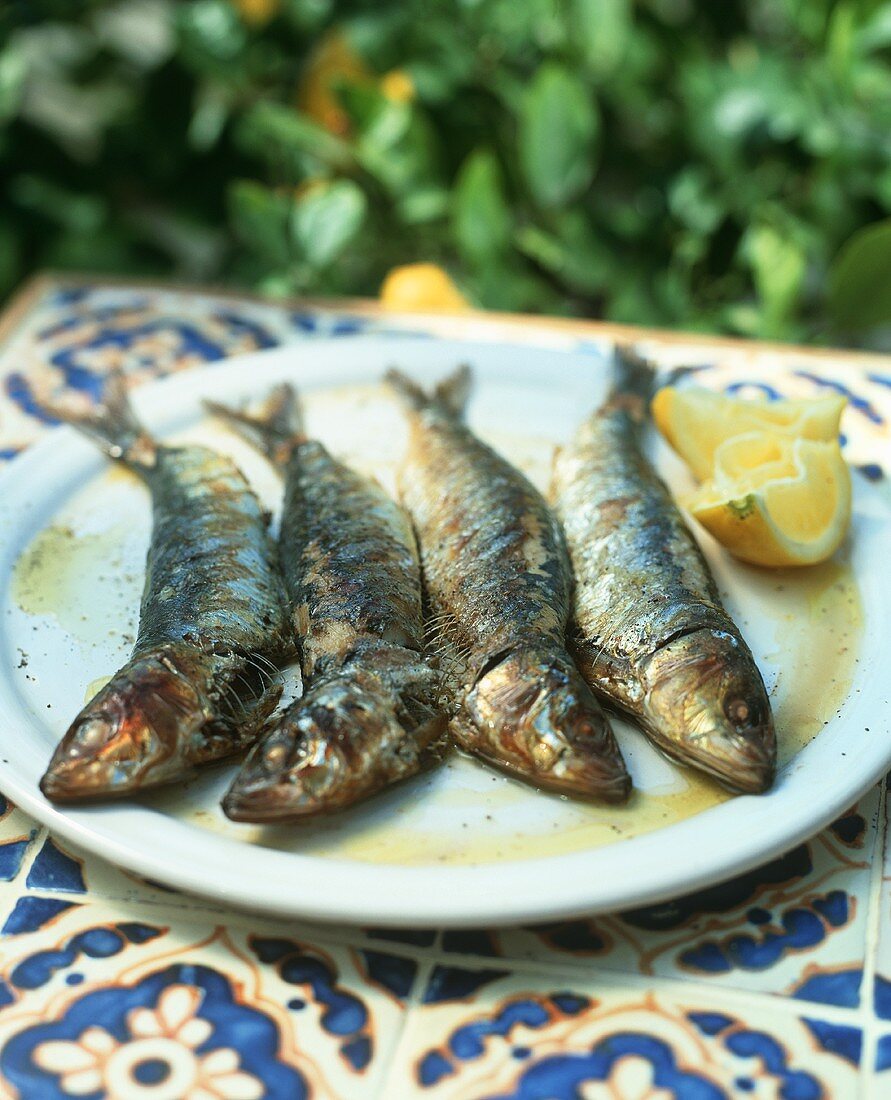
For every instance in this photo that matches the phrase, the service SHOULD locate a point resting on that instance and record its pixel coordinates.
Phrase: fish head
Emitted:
(705, 702)
(137, 731)
(344, 740)
(533, 714)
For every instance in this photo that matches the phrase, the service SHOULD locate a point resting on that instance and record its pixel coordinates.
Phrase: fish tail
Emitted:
(275, 427)
(633, 381)
(454, 390)
(448, 396)
(111, 424)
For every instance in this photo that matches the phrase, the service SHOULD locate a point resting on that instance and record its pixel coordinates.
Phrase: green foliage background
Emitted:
(717, 166)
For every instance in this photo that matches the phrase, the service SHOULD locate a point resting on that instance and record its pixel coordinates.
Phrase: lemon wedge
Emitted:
(775, 500)
(697, 421)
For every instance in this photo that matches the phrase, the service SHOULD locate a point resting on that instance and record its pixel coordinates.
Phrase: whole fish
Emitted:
(370, 712)
(212, 625)
(498, 582)
(649, 630)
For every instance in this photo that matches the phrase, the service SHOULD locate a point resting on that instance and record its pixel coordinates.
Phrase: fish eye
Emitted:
(275, 756)
(93, 732)
(737, 710)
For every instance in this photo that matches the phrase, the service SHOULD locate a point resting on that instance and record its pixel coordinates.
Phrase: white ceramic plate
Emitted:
(463, 844)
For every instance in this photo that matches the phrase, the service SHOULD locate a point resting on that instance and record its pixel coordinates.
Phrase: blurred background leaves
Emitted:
(722, 167)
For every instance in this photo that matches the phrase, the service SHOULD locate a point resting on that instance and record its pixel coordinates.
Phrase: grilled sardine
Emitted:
(212, 625)
(497, 580)
(649, 630)
(370, 713)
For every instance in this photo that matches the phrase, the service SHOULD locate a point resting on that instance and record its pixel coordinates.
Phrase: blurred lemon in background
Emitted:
(423, 288)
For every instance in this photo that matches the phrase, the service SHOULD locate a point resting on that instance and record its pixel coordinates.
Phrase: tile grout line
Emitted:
(34, 848)
(873, 932)
(680, 987)
(413, 1002)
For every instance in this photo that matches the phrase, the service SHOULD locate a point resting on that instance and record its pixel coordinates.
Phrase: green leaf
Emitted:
(326, 219)
(691, 201)
(573, 256)
(558, 130)
(481, 219)
(259, 217)
(211, 30)
(601, 29)
(507, 285)
(778, 266)
(13, 68)
(395, 142)
(875, 33)
(841, 39)
(860, 279)
(208, 119)
(75, 211)
(427, 204)
(307, 15)
(284, 136)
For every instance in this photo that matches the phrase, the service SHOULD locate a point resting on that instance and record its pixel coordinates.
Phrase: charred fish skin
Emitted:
(212, 625)
(498, 582)
(650, 632)
(350, 562)
(370, 714)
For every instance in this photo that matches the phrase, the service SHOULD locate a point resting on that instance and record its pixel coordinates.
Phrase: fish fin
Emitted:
(634, 381)
(453, 391)
(111, 424)
(242, 722)
(610, 677)
(407, 390)
(275, 427)
(448, 654)
(449, 396)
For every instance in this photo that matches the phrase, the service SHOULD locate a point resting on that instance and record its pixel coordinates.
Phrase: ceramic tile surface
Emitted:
(774, 984)
(101, 1001)
(17, 836)
(488, 1033)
